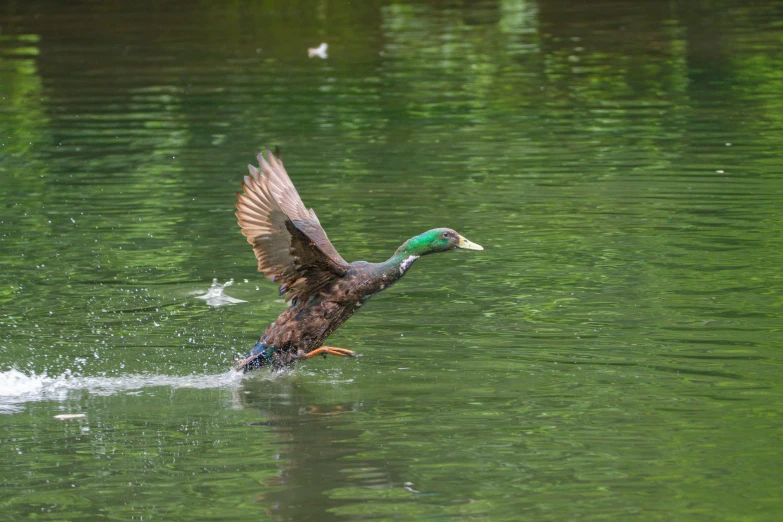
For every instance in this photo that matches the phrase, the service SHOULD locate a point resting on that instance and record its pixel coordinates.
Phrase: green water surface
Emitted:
(613, 354)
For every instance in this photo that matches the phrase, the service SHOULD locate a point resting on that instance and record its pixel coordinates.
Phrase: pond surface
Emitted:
(614, 354)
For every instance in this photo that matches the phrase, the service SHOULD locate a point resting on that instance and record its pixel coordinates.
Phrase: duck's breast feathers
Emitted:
(290, 245)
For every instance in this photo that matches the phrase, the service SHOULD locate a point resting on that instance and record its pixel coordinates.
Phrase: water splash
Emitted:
(319, 52)
(17, 388)
(216, 297)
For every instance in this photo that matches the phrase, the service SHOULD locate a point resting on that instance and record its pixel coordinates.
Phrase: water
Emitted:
(613, 354)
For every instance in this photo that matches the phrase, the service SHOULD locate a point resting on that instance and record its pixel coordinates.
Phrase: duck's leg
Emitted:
(330, 350)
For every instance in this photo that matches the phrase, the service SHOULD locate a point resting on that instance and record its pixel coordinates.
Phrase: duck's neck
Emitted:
(396, 266)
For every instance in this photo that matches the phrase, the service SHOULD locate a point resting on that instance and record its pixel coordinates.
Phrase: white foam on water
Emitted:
(17, 388)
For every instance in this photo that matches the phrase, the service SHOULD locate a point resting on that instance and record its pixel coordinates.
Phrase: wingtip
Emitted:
(254, 171)
(268, 156)
(260, 157)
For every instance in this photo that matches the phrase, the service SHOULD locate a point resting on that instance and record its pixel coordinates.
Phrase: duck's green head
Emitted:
(436, 240)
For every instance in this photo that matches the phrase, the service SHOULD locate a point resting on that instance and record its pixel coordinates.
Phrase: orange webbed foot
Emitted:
(330, 350)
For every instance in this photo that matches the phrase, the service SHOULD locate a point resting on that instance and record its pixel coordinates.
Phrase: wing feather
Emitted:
(290, 245)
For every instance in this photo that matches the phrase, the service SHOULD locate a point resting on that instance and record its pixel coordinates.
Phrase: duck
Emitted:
(293, 251)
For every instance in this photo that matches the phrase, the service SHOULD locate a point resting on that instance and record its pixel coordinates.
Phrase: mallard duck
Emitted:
(293, 250)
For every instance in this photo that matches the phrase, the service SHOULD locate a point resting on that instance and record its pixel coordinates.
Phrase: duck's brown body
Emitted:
(305, 325)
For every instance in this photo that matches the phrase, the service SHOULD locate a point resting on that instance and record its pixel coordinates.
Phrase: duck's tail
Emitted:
(256, 358)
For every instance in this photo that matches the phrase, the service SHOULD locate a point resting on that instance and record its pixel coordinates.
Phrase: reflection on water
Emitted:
(320, 451)
(612, 354)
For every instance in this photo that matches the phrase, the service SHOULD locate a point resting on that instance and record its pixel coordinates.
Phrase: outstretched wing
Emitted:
(291, 246)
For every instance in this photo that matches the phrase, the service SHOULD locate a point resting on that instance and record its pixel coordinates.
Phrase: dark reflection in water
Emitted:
(320, 451)
(612, 354)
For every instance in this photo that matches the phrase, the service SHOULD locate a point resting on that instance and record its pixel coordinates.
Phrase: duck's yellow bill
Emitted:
(468, 245)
